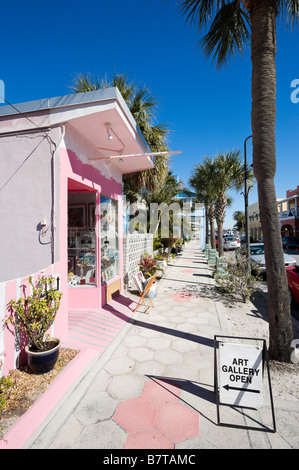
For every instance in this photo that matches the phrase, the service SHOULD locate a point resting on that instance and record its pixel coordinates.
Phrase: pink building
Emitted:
(288, 209)
(61, 200)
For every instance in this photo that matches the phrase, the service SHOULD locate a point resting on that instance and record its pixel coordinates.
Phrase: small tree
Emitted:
(239, 281)
(36, 312)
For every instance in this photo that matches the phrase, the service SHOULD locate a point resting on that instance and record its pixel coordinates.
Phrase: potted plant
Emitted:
(178, 245)
(36, 314)
(148, 266)
(162, 259)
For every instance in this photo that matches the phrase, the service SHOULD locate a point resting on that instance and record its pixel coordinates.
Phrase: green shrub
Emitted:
(5, 383)
(239, 280)
(147, 265)
(36, 312)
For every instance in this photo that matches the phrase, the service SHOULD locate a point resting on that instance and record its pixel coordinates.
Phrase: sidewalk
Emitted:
(153, 387)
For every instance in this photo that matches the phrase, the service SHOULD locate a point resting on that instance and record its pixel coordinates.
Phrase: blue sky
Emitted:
(44, 44)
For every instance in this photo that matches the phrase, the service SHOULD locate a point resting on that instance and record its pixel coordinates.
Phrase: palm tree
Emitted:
(232, 25)
(214, 177)
(202, 181)
(142, 106)
(239, 217)
(228, 174)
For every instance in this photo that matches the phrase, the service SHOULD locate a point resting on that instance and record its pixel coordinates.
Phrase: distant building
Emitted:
(197, 216)
(288, 210)
(255, 228)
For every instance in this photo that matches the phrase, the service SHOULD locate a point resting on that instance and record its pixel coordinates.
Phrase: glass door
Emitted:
(81, 240)
(109, 239)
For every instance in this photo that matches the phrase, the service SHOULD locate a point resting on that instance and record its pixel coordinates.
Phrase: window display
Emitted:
(109, 239)
(81, 240)
(81, 256)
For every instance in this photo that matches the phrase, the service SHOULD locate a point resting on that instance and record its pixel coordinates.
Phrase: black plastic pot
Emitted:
(43, 361)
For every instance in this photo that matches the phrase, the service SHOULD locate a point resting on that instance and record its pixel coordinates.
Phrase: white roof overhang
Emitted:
(89, 115)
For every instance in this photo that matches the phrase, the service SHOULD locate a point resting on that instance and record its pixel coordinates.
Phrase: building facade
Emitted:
(255, 228)
(288, 211)
(62, 161)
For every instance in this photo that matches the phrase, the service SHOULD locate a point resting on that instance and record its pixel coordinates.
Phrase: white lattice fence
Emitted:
(135, 245)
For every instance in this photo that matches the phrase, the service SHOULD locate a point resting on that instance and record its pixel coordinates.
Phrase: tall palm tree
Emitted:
(142, 105)
(214, 178)
(202, 181)
(228, 174)
(233, 24)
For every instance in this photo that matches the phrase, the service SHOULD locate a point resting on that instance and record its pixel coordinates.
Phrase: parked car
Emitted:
(257, 256)
(293, 282)
(230, 242)
(290, 242)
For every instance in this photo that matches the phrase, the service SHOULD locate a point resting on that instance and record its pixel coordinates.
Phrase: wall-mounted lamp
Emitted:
(43, 225)
(110, 136)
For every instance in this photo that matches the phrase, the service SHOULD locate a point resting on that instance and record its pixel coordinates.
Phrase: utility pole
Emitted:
(247, 237)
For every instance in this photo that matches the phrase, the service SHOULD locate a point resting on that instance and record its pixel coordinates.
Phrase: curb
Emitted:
(29, 424)
(42, 437)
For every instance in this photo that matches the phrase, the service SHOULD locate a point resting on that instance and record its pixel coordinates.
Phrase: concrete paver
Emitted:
(153, 388)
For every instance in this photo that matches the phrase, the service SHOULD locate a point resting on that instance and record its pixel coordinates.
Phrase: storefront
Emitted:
(62, 161)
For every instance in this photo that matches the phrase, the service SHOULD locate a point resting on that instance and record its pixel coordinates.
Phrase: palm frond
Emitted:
(289, 10)
(88, 82)
(200, 12)
(126, 88)
(228, 34)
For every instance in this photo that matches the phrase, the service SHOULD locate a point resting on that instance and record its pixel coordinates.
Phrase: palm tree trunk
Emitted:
(207, 223)
(211, 217)
(220, 211)
(212, 231)
(263, 50)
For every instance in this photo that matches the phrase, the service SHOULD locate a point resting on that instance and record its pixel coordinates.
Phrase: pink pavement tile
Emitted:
(160, 393)
(149, 439)
(182, 296)
(135, 414)
(177, 422)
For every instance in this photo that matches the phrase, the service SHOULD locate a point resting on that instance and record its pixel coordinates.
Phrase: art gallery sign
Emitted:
(239, 374)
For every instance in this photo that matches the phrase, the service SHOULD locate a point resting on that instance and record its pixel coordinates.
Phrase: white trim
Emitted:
(148, 154)
(2, 322)
(17, 331)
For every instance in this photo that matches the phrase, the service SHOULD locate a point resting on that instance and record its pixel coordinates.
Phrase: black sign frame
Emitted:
(216, 385)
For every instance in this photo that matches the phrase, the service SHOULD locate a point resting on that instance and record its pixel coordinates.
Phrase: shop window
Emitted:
(81, 240)
(109, 239)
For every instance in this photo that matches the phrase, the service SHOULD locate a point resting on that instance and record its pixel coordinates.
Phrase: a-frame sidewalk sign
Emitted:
(239, 366)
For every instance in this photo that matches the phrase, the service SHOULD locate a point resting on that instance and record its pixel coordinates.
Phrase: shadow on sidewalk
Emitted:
(194, 388)
(124, 301)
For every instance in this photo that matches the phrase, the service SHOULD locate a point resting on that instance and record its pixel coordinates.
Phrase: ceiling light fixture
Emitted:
(110, 136)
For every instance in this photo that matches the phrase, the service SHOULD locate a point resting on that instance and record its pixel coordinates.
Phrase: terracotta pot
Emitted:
(43, 361)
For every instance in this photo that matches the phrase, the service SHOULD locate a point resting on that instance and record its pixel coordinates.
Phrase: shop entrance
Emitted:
(82, 253)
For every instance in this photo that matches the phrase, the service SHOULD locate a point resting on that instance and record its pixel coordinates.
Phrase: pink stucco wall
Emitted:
(84, 298)
(14, 355)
